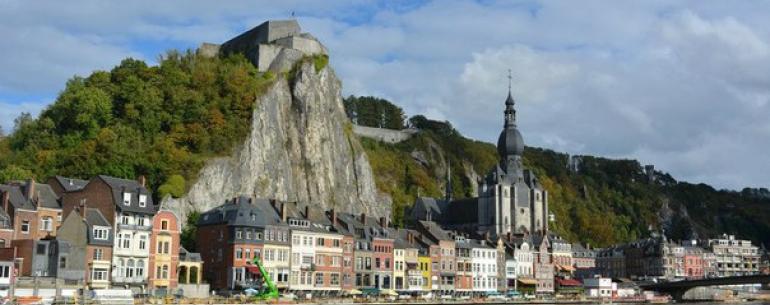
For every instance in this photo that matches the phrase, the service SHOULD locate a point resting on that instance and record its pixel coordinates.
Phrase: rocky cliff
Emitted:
(300, 149)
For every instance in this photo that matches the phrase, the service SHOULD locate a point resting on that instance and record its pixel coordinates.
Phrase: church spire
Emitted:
(510, 112)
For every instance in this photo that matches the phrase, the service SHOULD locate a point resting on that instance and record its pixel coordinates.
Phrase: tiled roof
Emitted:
(71, 184)
(119, 186)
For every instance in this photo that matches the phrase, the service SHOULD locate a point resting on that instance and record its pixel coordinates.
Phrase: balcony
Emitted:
(307, 267)
(127, 280)
(134, 227)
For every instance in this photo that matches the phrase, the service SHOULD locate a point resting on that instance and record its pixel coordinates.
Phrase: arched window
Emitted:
(194, 275)
(140, 268)
(165, 271)
(130, 268)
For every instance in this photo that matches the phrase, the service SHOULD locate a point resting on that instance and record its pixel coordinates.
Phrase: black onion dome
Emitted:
(510, 143)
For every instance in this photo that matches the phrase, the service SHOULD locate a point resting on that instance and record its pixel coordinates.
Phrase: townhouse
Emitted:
(89, 236)
(484, 267)
(442, 253)
(235, 234)
(316, 252)
(164, 246)
(543, 265)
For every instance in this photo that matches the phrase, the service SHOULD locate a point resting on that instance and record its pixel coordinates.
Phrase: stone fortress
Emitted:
(272, 46)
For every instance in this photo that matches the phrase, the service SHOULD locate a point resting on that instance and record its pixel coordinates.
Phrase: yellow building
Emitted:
(424, 265)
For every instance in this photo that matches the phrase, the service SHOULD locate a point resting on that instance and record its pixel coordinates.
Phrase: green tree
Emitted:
(13, 172)
(174, 186)
(189, 232)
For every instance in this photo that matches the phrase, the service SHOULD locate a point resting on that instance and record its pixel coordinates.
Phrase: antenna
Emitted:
(509, 80)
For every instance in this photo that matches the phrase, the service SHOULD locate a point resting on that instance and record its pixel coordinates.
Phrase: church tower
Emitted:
(511, 199)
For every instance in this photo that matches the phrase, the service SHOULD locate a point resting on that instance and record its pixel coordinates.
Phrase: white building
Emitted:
(598, 287)
(734, 257)
(484, 267)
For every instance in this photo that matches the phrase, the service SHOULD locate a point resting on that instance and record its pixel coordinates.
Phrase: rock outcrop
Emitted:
(301, 148)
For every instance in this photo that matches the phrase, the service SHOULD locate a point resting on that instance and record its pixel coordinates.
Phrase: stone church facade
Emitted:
(510, 199)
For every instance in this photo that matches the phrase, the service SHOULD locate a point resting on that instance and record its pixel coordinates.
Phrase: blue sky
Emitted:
(679, 84)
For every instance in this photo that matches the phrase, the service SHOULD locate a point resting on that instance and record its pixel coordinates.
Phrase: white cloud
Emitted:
(680, 85)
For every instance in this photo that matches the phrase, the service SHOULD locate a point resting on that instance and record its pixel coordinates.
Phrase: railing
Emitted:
(120, 279)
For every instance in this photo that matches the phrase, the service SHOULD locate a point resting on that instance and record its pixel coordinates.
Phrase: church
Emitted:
(510, 198)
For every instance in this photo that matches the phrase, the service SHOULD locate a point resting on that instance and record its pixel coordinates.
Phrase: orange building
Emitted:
(164, 251)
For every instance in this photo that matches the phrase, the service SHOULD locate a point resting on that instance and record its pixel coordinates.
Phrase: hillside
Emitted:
(161, 121)
(604, 202)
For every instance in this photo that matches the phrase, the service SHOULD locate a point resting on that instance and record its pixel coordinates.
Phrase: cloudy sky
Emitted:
(682, 85)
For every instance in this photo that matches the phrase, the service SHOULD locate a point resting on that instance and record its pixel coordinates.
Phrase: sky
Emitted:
(683, 85)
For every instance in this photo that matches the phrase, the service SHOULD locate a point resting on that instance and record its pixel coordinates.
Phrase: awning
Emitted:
(564, 268)
(527, 281)
(355, 292)
(253, 269)
(389, 292)
(568, 282)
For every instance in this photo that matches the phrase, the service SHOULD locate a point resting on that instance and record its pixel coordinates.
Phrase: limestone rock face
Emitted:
(300, 149)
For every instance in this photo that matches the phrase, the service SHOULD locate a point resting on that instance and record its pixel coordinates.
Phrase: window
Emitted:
(46, 224)
(25, 226)
(125, 219)
(127, 199)
(100, 233)
(130, 268)
(335, 279)
(140, 220)
(142, 242)
(238, 234)
(5, 272)
(98, 254)
(99, 274)
(41, 249)
(124, 240)
(320, 242)
(164, 271)
(63, 262)
(336, 243)
(142, 200)
(295, 240)
(166, 247)
(140, 268)
(238, 253)
(247, 254)
(164, 225)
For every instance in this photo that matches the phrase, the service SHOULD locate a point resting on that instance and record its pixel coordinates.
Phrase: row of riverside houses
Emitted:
(305, 250)
(660, 258)
(100, 233)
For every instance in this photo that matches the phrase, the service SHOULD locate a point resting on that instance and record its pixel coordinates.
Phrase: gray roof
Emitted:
(241, 211)
(425, 205)
(71, 184)
(46, 197)
(95, 218)
(187, 256)
(435, 230)
(119, 185)
(16, 197)
(371, 230)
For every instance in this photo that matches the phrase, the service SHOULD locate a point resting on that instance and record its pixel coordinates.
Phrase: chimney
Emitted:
(83, 206)
(307, 211)
(486, 236)
(384, 222)
(141, 179)
(70, 181)
(333, 216)
(283, 211)
(30, 188)
(363, 218)
(509, 236)
(409, 237)
(6, 199)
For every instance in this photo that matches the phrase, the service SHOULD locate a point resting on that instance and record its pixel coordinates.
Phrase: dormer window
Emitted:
(126, 198)
(142, 200)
